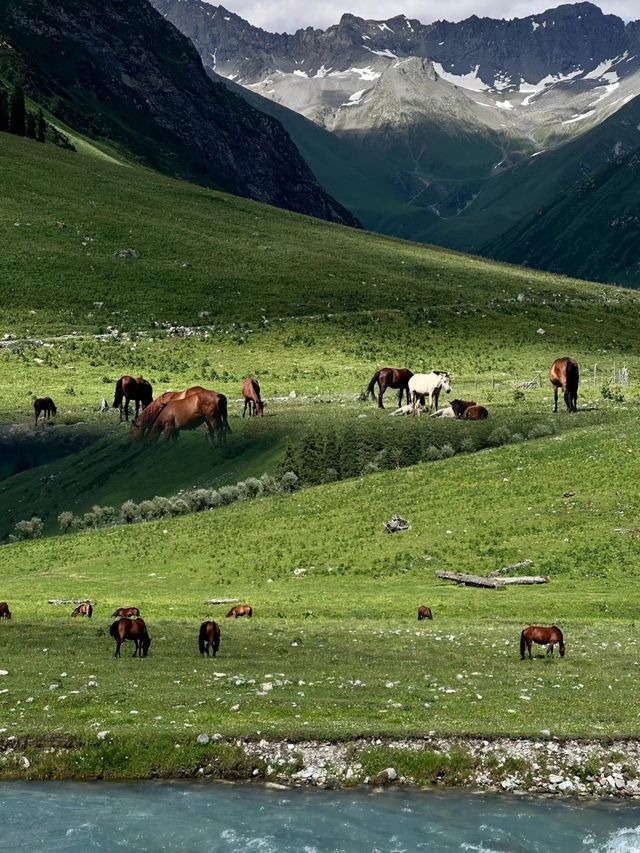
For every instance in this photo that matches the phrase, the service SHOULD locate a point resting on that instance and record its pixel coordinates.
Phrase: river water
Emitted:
(194, 817)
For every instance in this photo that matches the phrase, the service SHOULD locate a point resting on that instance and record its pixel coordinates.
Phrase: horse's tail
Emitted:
(376, 378)
(117, 400)
(523, 645)
(202, 638)
(113, 630)
(224, 421)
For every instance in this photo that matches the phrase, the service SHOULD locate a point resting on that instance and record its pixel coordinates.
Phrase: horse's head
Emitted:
(446, 382)
(260, 408)
(563, 649)
(146, 642)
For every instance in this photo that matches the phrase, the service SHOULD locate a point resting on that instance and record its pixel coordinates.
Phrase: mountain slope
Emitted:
(116, 71)
(592, 228)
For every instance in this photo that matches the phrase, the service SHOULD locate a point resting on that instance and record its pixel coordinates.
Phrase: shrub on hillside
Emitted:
(31, 529)
(65, 520)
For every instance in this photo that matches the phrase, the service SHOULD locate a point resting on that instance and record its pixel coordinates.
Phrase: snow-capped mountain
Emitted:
(540, 78)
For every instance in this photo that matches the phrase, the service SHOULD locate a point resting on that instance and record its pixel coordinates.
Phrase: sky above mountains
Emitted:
(290, 15)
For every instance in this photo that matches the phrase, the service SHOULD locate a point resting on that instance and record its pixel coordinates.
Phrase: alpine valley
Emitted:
(493, 136)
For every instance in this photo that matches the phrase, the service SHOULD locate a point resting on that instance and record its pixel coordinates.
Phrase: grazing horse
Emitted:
(429, 385)
(390, 377)
(240, 610)
(126, 611)
(460, 407)
(203, 407)
(252, 399)
(209, 638)
(543, 636)
(84, 609)
(128, 388)
(475, 413)
(131, 629)
(5, 613)
(564, 373)
(143, 423)
(424, 612)
(44, 406)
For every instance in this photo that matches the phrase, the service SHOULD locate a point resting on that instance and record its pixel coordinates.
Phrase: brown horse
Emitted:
(131, 629)
(142, 424)
(564, 373)
(127, 388)
(475, 413)
(44, 406)
(460, 407)
(240, 610)
(252, 399)
(424, 612)
(84, 609)
(126, 611)
(209, 638)
(543, 636)
(390, 377)
(203, 407)
(5, 613)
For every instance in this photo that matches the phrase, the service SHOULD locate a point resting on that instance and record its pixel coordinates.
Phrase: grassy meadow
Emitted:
(334, 649)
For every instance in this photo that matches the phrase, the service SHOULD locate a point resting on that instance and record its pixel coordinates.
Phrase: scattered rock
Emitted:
(385, 777)
(24, 762)
(397, 523)
(203, 739)
(126, 254)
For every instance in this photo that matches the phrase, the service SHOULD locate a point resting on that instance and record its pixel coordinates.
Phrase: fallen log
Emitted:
(471, 580)
(490, 582)
(525, 564)
(58, 601)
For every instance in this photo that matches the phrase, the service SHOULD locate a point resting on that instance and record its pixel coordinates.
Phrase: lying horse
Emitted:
(447, 412)
(209, 638)
(126, 611)
(424, 612)
(252, 399)
(84, 609)
(143, 423)
(131, 629)
(476, 413)
(460, 407)
(429, 385)
(543, 636)
(203, 407)
(564, 373)
(240, 610)
(390, 377)
(44, 406)
(128, 388)
(5, 613)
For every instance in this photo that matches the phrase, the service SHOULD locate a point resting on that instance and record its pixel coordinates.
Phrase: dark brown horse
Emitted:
(424, 612)
(564, 373)
(252, 399)
(209, 638)
(240, 610)
(460, 407)
(126, 611)
(543, 636)
(390, 377)
(142, 424)
(475, 413)
(5, 613)
(84, 609)
(131, 629)
(127, 388)
(44, 406)
(204, 407)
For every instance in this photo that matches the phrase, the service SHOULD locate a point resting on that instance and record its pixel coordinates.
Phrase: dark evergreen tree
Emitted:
(4, 110)
(41, 134)
(30, 126)
(18, 113)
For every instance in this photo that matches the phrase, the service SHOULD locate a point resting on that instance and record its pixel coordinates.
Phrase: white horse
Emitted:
(429, 385)
(444, 413)
(409, 409)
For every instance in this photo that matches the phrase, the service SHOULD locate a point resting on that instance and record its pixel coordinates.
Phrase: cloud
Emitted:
(290, 15)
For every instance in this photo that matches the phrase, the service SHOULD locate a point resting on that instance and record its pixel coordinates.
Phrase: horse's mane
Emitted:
(441, 372)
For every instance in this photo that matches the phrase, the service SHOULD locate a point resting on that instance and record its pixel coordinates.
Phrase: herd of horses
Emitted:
(129, 625)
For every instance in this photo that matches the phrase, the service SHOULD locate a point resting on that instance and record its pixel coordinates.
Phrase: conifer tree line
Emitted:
(16, 119)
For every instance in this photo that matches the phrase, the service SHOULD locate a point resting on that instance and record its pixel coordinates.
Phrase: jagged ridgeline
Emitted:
(118, 73)
(457, 133)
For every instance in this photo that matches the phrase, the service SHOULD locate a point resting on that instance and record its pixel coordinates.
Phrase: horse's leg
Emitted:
(555, 399)
(529, 645)
(400, 395)
(244, 411)
(380, 393)
(117, 654)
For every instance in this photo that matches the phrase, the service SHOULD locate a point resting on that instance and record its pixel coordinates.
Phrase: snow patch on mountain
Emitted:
(469, 81)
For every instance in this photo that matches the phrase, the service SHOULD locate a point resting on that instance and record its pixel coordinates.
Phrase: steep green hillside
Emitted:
(591, 229)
